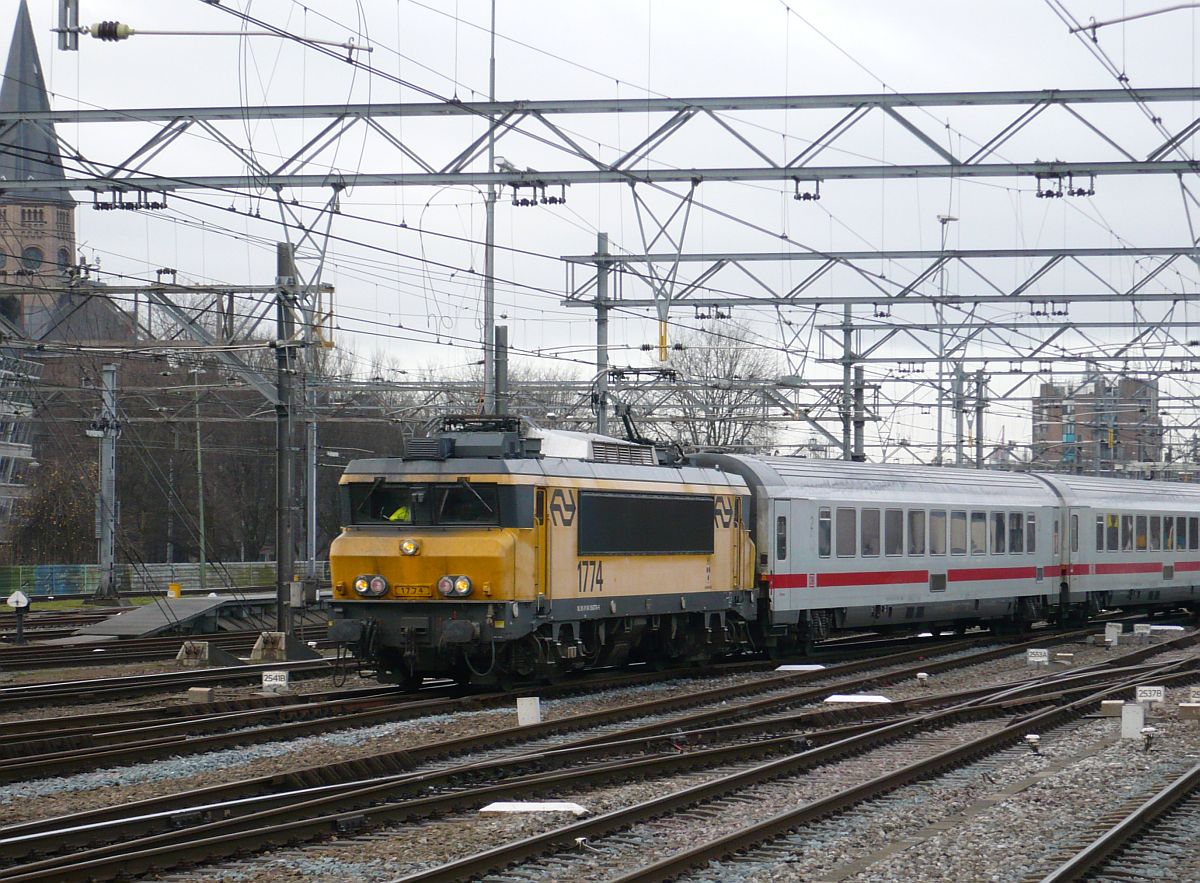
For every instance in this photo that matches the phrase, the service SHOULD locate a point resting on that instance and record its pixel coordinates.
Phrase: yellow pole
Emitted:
(662, 340)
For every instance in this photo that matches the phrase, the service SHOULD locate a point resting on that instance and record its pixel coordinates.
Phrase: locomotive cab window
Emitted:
(462, 503)
(824, 533)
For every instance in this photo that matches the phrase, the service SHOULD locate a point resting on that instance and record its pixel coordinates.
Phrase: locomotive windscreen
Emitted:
(645, 524)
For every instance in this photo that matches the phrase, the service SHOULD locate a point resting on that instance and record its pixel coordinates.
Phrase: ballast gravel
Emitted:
(43, 798)
(998, 820)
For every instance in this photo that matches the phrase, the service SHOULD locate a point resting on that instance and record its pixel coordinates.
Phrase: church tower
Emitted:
(37, 230)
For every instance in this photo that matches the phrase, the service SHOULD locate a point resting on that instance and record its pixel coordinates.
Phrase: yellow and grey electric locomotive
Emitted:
(496, 555)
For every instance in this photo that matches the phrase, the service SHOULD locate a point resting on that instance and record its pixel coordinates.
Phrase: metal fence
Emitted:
(84, 579)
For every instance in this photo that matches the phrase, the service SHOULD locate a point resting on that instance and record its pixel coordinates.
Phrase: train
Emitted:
(497, 553)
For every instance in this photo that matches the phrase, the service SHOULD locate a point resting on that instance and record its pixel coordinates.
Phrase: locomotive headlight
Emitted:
(409, 547)
(454, 586)
(371, 584)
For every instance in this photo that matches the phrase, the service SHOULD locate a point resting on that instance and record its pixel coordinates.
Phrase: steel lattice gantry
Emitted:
(548, 133)
(542, 123)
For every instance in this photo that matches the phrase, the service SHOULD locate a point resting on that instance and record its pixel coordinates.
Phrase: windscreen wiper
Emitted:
(374, 487)
(467, 484)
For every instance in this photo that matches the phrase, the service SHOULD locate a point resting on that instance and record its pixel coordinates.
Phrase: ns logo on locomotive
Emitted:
(495, 553)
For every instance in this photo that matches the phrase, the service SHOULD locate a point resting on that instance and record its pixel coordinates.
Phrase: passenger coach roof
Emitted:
(395, 469)
(804, 478)
(1125, 493)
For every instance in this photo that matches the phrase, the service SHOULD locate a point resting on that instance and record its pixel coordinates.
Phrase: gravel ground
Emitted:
(406, 850)
(966, 809)
(173, 696)
(42, 798)
(999, 820)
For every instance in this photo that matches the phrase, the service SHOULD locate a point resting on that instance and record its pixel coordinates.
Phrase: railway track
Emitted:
(1141, 844)
(316, 802)
(64, 746)
(77, 692)
(113, 652)
(618, 842)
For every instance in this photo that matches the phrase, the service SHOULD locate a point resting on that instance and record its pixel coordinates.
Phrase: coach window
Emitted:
(1112, 530)
(847, 527)
(870, 533)
(1074, 533)
(998, 545)
(1181, 537)
(1031, 533)
(781, 537)
(958, 533)
(893, 532)
(1141, 533)
(916, 531)
(978, 533)
(937, 532)
(1126, 533)
(1194, 533)
(1099, 533)
(824, 532)
(1155, 533)
(1169, 533)
(1016, 533)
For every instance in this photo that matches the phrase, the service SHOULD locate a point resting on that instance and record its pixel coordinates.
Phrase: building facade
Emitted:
(1103, 426)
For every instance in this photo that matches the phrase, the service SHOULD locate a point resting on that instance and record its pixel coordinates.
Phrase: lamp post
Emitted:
(943, 220)
(199, 480)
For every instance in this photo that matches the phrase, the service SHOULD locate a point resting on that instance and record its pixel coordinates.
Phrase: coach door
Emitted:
(782, 554)
(541, 543)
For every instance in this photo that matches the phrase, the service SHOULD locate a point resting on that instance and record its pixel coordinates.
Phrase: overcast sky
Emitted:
(425, 315)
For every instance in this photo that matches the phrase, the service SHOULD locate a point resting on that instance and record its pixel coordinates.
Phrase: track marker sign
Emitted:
(1037, 657)
(1150, 694)
(18, 600)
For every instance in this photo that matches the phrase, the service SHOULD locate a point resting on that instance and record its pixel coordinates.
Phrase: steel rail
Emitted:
(785, 822)
(1093, 856)
(396, 761)
(392, 786)
(294, 820)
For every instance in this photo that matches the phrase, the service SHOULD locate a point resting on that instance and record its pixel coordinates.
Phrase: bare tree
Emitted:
(723, 403)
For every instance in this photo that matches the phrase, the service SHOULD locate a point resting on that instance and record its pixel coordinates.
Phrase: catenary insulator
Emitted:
(111, 31)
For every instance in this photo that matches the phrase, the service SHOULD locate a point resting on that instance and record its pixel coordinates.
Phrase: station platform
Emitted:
(195, 616)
